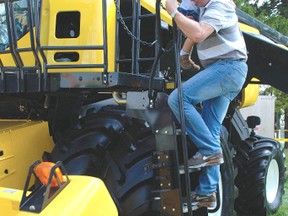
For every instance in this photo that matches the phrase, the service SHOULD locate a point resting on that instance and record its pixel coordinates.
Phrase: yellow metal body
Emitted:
(249, 95)
(91, 30)
(83, 196)
(22, 143)
(91, 34)
(150, 6)
(27, 57)
(24, 42)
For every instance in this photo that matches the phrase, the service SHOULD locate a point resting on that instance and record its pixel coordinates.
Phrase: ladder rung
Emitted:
(182, 171)
(140, 16)
(185, 208)
(200, 211)
(100, 47)
(64, 66)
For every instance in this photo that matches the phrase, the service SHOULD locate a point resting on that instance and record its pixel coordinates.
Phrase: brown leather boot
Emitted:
(186, 63)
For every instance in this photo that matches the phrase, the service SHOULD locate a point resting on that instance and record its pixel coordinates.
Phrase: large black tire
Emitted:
(116, 148)
(261, 176)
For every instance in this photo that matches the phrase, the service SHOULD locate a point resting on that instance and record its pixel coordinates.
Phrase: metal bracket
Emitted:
(162, 168)
(42, 195)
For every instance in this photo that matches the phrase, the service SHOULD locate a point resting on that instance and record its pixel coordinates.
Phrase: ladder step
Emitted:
(196, 210)
(185, 204)
(200, 211)
(191, 170)
(185, 208)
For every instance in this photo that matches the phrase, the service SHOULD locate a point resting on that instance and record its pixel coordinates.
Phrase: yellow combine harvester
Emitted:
(84, 83)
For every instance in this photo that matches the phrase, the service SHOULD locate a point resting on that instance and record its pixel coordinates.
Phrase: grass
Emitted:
(283, 211)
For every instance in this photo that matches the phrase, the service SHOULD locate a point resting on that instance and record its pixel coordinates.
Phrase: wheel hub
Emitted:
(272, 181)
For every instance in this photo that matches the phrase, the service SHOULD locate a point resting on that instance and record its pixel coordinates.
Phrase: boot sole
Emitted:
(212, 162)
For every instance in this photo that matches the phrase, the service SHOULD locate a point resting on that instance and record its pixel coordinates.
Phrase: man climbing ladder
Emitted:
(222, 53)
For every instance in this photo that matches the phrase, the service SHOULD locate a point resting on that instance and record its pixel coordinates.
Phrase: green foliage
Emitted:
(278, 7)
(273, 13)
(280, 23)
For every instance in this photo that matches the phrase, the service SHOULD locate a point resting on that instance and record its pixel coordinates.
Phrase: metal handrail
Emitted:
(14, 50)
(41, 48)
(178, 83)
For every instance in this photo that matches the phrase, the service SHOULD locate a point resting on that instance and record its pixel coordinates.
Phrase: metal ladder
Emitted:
(131, 25)
(171, 180)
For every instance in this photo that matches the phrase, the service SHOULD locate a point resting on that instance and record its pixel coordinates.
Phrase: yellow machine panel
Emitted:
(83, 196)
(27, 57)
(249, 95)
(21, 143)
(150, 6)
(90, 33)
(83, 22)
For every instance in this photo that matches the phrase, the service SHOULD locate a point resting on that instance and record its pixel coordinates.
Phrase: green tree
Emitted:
(273, 13)
(274, 7)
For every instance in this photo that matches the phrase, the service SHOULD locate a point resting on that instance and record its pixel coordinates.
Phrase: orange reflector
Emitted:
(42, 171)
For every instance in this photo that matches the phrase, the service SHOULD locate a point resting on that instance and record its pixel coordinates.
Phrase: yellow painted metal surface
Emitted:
(83, 196)
(20, 16)
(22, 143)
(150, 6)
(91, 31)
(248, 28)
(249, 95)
(170, 85)
(27, 57)
(91, 34)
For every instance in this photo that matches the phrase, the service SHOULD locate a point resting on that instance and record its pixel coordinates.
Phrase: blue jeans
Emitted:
(215, 86)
